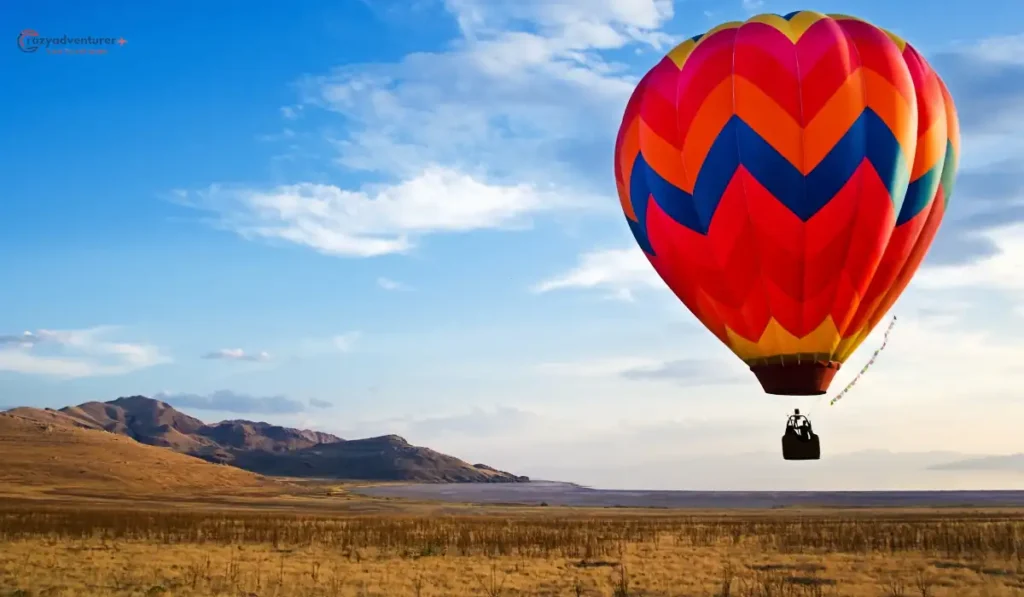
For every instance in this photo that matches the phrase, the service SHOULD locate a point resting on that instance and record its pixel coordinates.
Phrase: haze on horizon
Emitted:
(389, 217)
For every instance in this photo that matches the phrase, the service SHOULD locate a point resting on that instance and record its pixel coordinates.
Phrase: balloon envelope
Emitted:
(785, 176)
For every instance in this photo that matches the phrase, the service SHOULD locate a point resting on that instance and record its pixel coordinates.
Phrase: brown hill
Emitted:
(388, 457)
(159, 424)
(144, 420)
(50, 451)
(48, 415)
(269, 449)
(249, 435)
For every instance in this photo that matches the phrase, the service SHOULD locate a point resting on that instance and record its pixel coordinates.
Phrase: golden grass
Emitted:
(68, 551)
(39, 458)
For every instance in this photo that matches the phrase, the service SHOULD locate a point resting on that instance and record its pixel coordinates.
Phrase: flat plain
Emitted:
(86, 513)
(370, 548)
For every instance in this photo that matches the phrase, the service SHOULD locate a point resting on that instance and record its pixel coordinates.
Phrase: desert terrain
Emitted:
(89, 512)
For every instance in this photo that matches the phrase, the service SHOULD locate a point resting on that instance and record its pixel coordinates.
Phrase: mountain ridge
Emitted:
(268, 449)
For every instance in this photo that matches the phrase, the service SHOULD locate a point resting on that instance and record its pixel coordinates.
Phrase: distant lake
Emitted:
(567, 494)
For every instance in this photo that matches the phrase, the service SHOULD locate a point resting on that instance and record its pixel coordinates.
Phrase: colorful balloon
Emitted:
(785, 176)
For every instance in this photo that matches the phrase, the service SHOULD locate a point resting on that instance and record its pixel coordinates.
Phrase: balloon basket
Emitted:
(795, 448)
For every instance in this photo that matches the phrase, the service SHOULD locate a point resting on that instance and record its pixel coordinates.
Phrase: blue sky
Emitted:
(399, 216)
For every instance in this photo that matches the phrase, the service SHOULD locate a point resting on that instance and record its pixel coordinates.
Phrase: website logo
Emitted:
(24, 41)
(30, 42)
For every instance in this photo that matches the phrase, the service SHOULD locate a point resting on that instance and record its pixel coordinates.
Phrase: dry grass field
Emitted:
(91, 514)
(62, 550)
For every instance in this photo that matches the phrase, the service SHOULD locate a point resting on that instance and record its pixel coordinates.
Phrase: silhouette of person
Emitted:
(801, 425)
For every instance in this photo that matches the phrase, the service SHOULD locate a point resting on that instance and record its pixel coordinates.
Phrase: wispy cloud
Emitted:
(316, 403)
(752, 6)
(377, 219)
(478, 423)
(691, 372)
(329, 345)
(345, 342)
(1001, 271)
(460, 137)
(986, 79)
(284, 135)
(497, 100)
(617, 271)
(233, 402)
(75, 353)
(237, 354)
(1003, 50)
(598, 367)
(389, 284)
(24, 339)
(291, 112)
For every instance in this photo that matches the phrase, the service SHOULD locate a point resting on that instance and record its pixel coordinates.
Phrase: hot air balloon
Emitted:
(785, 177)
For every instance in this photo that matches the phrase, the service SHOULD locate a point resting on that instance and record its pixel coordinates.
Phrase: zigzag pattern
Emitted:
(786, 176)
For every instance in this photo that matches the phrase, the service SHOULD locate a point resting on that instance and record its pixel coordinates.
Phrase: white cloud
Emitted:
(236, 354)
(999, 51)
(985, 78)
(462, 137)
(619, 271)
(1003, 270)
(478, 423)
(233, 402)
(685, 371)
(377, 220)
(691, 372)
(752, 6)
(558, 16)
(599, 367)
(932, 361)
(330, 345)
(345, 342)
(75, 353)
(24, 339)
(389, 284)
(291, 112)
(286, 133)
(497, 104)
(939, 364)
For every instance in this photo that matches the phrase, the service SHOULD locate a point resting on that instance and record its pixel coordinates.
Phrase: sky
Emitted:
(377, 216)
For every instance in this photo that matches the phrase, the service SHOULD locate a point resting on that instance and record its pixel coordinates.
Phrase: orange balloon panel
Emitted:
(785, 176)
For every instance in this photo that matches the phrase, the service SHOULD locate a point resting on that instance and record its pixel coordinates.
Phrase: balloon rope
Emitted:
(885, 340)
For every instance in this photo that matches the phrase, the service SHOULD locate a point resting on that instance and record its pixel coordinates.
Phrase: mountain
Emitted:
(50, 451)
(247, 435)
(377, 458)
(1007, 463)
(268, 449)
